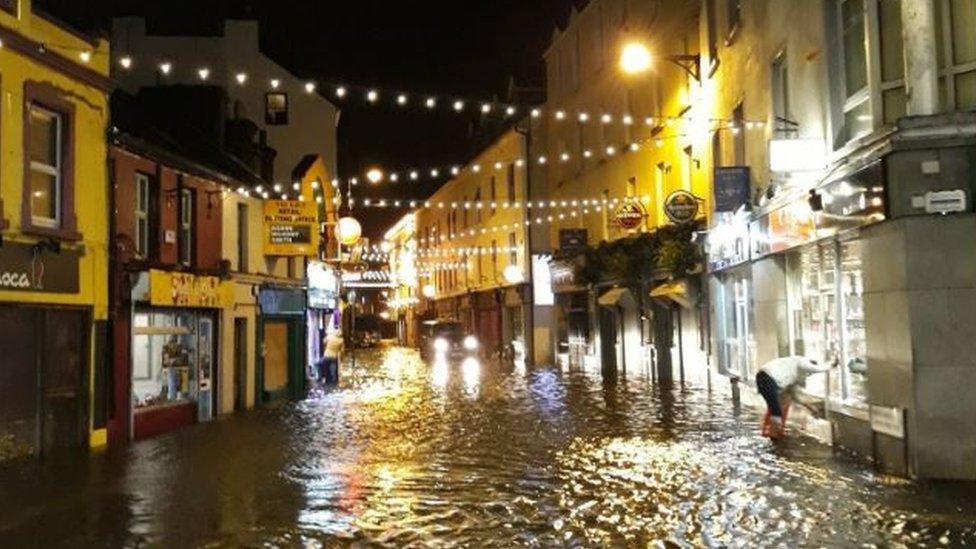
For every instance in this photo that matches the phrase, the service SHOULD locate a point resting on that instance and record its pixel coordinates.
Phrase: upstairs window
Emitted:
(46, 167)
(510, 182)
(186, 227)
(142, 215)
(493, 194)
(781, 90)
(276, 109)
(858, 119)
(734, 18)
(9, 6)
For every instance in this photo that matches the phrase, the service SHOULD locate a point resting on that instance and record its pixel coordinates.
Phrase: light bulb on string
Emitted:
(458, 105)
(310, 87)
(241, 78)
(275, 83)
(165, 67)
(340, 92)
(401, 100)
(372, 96)
(430, 102)
(125, 62)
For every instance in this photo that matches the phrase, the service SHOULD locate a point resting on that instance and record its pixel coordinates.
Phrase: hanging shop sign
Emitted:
(629, 215)
(30, 268)
(728, 241)
(290, 228)
(281, 301)
(168, 289)
(732, 190)
(681, 207)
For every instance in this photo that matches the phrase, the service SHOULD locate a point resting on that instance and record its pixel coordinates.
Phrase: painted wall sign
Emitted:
(168, 289)
(290, 228)
(681, 207)
(629, 215)
(25, 268)
(732, 189)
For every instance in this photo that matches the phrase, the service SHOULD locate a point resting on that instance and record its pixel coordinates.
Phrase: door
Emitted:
(276, 358)
(608, 340)
(43, 389)
(240, 364)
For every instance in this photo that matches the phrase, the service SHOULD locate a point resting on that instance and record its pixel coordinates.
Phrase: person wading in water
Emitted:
(777, 381)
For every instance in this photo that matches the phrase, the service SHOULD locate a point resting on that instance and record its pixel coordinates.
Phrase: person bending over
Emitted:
(778, 379)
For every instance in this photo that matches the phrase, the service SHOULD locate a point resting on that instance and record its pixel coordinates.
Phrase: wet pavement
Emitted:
(409, 454)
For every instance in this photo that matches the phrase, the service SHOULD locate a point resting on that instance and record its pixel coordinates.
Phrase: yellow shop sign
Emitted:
(168, 289)
(291, 228)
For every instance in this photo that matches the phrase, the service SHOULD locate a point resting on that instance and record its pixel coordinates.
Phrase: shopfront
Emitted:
(789, 281)
(282, 359)
(174, 348)
(323, 308)
(572, 313)
(488, 320)
(513, 318)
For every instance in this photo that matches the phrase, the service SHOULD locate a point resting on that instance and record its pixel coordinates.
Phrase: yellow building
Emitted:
(401, 241)
(473, 255)
(54, 220)
(632, 143)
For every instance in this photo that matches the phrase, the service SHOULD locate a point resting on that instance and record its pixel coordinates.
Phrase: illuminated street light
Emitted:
(374, 175)
(636, 58)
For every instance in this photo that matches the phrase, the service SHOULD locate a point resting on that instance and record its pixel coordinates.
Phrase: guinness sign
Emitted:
(681, 207)
(29, 268)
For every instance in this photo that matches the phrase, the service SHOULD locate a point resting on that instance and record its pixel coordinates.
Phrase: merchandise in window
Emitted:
(171, 355)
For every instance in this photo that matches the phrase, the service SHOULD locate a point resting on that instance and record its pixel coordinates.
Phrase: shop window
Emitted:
(47, 145)
(142, 215)
(186, 227)
(171, 355)
(738, 345)
(276, 109)
(827, 316)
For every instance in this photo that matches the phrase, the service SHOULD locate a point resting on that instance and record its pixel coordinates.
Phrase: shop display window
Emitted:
(827, 318)
(736, 326)
(172, 357)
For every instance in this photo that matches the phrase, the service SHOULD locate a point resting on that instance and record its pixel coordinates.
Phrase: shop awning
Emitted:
(677, 291)
(614, 297)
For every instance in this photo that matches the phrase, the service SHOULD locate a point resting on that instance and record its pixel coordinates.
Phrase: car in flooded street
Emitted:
(447, 340)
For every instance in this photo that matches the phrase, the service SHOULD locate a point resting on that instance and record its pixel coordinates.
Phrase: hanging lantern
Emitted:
(348, 231)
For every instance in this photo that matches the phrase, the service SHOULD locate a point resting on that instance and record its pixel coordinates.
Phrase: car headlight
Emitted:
(470, 343)
(441, 345)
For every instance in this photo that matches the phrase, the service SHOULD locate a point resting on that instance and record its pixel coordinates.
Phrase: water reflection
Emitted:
(477, 454)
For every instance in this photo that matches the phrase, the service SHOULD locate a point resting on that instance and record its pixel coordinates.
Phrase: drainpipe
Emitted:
(921, 63)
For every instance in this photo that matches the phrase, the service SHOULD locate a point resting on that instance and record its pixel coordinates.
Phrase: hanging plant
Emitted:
(637, 260)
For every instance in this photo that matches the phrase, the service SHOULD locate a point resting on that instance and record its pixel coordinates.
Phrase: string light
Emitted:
(372, 96)
(401, 99)
(125, 62)
(340, 92)
(203, 73)
(165, 67)
(309, 87)
(241, 78)
(85, 56)
(275, 83)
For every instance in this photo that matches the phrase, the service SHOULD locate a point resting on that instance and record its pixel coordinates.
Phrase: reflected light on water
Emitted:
(471, 373)
(440, 372)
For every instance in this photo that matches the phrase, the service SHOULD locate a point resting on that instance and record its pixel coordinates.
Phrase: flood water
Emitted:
(405, 453)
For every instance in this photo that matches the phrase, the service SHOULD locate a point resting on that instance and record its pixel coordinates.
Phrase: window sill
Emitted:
(60, 234)
(850, 408)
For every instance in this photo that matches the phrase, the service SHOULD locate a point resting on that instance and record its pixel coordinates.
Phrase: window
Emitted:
(961, 73)
(631, 187)
(276, 109)
(142, 215)
(9, 6)
(512, 246)
(464, 213)
(734, 18)
(717, 149)
(893, 99)
(477, 205)
(735, 324)
(242, 238)
(510, 182)
(711, 17)
(739, 135)
(494, 257)
(780, 90)
(186, 227)
(689, 168)
(858, 119)
(46, 171)
(170, 351)
(493, 194)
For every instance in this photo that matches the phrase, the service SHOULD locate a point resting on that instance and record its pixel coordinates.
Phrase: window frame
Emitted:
(47, 98)
(142, 216)
(243, 237)
(268, 119)
(185, 226)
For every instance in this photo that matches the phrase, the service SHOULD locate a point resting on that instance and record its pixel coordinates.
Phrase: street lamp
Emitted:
(636, 58)
(374, 175)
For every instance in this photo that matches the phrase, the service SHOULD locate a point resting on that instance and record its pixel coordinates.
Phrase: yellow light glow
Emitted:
(635, 58)
(374, 175)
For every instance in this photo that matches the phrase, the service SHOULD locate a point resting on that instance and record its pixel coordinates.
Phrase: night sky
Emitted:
(464, 48)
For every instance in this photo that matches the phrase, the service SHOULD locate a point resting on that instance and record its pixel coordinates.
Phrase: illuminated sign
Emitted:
(630, 215)
(797, 155)
(27, 268)
(681, 207)
(168, 289)
(290, 228)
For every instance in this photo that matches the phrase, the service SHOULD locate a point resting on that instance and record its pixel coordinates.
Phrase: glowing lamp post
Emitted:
(348, 231)
(636, 58)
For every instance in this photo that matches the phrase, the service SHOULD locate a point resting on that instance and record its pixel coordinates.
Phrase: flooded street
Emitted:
(405, 453)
